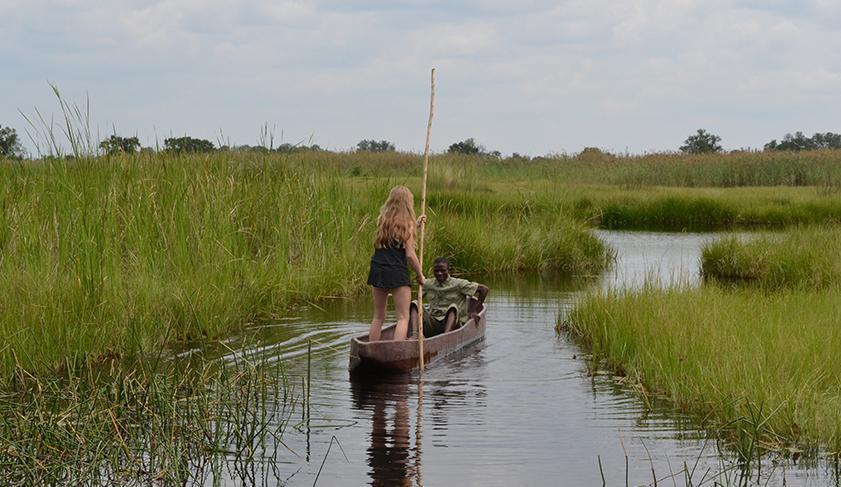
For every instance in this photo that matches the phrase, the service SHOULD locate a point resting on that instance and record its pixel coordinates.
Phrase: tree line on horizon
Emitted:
(701, 142)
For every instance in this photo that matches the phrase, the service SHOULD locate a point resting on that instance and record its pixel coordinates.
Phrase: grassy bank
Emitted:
(762, 365)
(806, 258)
(714, 209)
(121, 255)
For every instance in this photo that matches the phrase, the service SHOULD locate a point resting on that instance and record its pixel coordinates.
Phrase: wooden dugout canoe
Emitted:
(386, 355)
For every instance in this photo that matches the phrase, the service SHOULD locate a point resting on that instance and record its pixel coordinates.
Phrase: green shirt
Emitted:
(438, 296)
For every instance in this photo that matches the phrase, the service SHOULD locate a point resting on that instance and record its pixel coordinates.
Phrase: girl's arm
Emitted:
(414, 262)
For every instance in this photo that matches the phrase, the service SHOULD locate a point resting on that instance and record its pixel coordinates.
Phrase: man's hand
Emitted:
(472, 316)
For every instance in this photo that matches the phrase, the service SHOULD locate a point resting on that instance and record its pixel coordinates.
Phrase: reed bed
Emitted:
(200, 425)
(118, 256)
(706, 209)
(761, 366)
(798, 258)
(737, 169)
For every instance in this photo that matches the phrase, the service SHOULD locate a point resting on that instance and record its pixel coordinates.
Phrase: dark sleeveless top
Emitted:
(389, 267)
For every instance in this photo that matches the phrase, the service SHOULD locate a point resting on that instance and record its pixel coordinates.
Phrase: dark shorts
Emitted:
(431, 326)
(389, 269)
(388, 277)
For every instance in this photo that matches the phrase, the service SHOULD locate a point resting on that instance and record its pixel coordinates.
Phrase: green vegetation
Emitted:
(120, 145)
(804, 258)
(117, 256)
(187, 144)
(122, 255)
(469, 147)
(702, 142)
(761, 365)
(798, 142)
(9, 143)
(755, 359)
(815, 169)
(108, 257)
(375, 146)
(193, 425)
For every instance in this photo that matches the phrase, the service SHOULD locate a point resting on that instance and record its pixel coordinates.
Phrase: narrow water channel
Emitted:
(518, 409)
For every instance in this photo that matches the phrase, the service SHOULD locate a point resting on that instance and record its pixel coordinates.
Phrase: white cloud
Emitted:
(528, 76)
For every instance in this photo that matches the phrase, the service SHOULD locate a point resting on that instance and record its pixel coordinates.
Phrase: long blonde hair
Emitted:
(397, 218)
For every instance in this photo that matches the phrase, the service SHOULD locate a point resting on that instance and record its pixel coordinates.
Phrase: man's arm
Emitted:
(481, 293)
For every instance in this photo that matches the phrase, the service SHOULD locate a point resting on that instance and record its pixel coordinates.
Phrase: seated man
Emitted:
(445, 300)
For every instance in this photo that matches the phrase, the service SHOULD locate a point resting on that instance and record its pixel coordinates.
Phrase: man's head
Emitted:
(441, 269)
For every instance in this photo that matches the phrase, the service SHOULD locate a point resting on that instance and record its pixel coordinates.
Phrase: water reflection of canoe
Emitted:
(387, 355)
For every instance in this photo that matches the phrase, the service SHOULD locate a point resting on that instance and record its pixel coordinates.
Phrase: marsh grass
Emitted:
(761, 367)
(744, 169)
(113, 425)
(121, 255)
(797, 258)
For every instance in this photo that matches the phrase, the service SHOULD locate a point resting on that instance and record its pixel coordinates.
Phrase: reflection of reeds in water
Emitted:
(205, 423)
(724, 470)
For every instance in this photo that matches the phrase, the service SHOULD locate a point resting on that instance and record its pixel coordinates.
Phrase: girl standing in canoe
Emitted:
(394, 252)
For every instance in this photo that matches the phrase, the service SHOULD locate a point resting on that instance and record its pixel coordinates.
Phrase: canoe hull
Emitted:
(388, 356)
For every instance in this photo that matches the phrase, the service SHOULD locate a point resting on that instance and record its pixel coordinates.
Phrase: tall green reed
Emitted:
(755, 364)
(113, 425)
(124, 254)
(797, 258)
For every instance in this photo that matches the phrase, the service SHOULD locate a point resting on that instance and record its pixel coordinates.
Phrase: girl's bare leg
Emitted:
(402, 297)
(380, 300)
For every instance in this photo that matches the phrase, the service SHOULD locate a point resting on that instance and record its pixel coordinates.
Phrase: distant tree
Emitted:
(288, 148)
(375, 146)
(187, 144)
(827, 140)
(594, 154)
(467, 146)
(9, 143)
(702, 142)
(120, 145)
(245, 148)
(799, 141)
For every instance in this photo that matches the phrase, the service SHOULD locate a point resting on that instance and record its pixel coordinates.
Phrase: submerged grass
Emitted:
(98, 426)
(760, 365)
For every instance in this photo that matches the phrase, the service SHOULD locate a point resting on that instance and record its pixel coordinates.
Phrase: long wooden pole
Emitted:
(419, 324)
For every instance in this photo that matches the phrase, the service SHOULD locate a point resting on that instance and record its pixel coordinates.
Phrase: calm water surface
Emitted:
(518, 409)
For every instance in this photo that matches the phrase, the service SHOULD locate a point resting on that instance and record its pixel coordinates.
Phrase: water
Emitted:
(518, 409)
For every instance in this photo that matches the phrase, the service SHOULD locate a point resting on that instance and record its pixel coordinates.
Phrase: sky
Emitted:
(527, 76)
